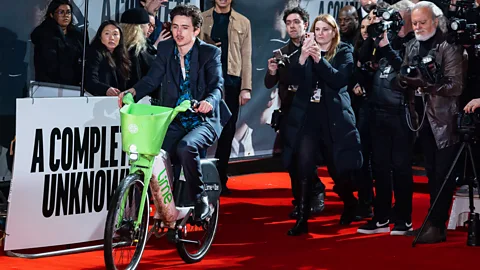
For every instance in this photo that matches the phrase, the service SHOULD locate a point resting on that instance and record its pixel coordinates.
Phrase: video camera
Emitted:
(427, 67)
(392, 22)
(468, 123)
(463, 23)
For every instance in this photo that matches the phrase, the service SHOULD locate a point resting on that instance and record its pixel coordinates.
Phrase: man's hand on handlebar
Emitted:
(122, 94)
(204, 107)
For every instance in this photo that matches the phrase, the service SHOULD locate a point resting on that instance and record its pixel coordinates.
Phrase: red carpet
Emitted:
(252, 234)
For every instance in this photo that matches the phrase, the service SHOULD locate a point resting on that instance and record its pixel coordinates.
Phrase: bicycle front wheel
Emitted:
(124, 242)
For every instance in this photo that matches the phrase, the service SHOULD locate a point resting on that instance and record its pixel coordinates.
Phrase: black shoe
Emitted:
(300, 227)
(303, 205)
(432, 234)
(363, 211)
(375, 226)
(202, 207)
(317, 203)
(349, 214)
(401, 228)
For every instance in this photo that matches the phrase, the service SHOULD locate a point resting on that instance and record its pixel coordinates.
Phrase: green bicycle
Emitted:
(127, 227)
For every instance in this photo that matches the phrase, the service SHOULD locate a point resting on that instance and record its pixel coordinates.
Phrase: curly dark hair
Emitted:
(300, 11)
(119, 57)
(191, 11)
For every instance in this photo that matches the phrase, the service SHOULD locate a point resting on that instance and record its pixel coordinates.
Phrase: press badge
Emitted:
(293, 88)
(317, 94)
(385, 72)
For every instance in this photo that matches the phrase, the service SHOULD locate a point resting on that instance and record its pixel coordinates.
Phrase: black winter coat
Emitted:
(99, 75)
(57, 57)
(140, 64)
(335, 74)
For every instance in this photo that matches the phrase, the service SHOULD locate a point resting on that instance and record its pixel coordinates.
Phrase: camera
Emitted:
(427, 67)
(463, 23)
(282, 59)
(392, 22)
(468, 123)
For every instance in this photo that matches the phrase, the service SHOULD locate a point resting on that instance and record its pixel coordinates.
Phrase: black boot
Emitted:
(303, 209)
(350, 203)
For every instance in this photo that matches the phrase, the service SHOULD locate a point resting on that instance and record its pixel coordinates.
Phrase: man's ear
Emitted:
(435, 22)
(197, 32)
(306, 26)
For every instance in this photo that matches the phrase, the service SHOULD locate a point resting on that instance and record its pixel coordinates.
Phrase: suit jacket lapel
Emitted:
(194, 69)
(175, 69)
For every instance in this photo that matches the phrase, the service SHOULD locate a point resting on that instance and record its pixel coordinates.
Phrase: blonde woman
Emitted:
(322, 120)
(135, 26)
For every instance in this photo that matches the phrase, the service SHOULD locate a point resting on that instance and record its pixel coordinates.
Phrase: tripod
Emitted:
(473, 221)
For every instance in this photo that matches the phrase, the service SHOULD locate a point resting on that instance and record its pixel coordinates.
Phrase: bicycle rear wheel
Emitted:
(123, 244)
(203, 231)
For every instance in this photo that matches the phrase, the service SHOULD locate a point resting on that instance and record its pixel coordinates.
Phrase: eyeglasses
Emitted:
(64, 13)
(153, 26)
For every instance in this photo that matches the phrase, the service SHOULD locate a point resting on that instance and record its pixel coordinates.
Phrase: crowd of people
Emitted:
(345, 101)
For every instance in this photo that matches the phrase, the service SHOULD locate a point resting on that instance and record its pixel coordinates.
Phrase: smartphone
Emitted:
(168, 26)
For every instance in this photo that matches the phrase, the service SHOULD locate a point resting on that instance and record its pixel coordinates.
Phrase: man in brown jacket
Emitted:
(437, 134)
(230, 31)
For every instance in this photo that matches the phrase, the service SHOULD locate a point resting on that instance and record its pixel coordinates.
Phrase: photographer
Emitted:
(296, 20)
(391, 137)
(437, 133)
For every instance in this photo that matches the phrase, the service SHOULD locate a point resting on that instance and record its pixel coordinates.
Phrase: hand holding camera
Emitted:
(272, 66)
(413, 77)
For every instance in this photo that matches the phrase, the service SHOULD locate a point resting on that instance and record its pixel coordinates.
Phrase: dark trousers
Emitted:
(437, 164)
(224, 145)
(311, 142)
(183, 147)
(392, 164)
(363, 177)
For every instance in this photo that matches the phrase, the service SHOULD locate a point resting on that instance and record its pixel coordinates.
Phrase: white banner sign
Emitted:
(68, 162)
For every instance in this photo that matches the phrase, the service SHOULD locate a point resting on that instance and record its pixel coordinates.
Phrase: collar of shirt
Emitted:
(188, 56)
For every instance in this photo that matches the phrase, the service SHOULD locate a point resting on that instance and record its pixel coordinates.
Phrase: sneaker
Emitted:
(374, 226)
(401, 228)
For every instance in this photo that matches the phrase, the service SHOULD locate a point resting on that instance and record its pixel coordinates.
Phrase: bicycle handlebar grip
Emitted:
(128, 99)
(195, 104)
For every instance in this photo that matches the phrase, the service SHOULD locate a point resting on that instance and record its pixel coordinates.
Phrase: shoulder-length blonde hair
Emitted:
(134, 37)
(328, 19)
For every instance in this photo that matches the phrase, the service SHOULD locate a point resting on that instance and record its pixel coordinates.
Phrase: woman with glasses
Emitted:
(58, 46)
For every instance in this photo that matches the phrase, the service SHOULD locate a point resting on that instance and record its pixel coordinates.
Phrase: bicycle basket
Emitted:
(145, 126)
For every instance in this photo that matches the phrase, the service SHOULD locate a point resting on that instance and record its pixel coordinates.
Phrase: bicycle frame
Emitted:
(143, 165)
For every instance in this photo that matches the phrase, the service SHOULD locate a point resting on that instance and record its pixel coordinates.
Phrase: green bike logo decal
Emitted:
(165, 187)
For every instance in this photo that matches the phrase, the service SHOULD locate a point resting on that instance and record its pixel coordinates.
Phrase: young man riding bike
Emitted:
(187, 69)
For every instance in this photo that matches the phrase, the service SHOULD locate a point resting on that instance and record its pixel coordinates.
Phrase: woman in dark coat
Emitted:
(58, 46)
(321, 119)
(108, 64)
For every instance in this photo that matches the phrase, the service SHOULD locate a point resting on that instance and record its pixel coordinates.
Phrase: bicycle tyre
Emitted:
(205, 246)
(113, 209)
